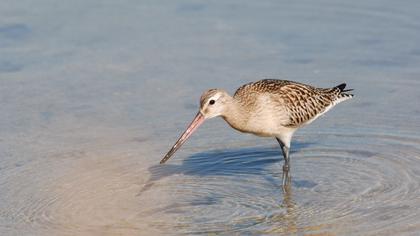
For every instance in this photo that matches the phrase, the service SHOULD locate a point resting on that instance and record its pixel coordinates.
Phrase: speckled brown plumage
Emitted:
(269, 108)
(302, 102)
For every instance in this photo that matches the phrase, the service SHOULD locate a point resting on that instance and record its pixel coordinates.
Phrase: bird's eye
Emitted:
(212, 102)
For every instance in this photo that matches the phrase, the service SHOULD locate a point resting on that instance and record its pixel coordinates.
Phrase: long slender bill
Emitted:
(198, 120)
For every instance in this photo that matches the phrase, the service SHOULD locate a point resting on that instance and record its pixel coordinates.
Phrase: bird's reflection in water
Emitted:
(255, 175)
(290, 207)
(250, 161)
(288, 220)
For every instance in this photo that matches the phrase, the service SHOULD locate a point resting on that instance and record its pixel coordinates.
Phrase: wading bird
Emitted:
(267, 108)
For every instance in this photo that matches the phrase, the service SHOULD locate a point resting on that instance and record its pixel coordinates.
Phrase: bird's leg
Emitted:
(286, 165)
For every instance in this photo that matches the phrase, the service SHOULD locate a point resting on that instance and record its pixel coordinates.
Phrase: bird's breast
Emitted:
(263, 118)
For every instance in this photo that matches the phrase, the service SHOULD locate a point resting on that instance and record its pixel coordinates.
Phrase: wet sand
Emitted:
(92, 95)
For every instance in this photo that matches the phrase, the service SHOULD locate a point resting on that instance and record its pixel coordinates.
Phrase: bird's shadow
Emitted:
(226, 162)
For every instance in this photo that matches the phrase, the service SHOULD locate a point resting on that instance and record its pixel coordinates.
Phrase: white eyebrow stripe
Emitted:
(216, 96)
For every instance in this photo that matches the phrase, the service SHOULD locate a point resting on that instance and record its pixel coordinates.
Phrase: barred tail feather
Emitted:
(342, 87)
(342, 97)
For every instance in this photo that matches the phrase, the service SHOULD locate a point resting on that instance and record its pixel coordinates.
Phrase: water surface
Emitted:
(93, 94)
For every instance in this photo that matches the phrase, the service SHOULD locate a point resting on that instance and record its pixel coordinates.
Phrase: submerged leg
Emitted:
(286, 165)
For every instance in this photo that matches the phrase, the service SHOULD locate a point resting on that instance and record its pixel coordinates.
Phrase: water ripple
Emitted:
(337, 187)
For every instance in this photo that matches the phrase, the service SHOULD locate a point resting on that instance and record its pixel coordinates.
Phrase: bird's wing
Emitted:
(304, 103)
(262, 86)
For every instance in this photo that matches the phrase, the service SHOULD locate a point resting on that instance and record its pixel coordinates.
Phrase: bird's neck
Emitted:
(235, 115)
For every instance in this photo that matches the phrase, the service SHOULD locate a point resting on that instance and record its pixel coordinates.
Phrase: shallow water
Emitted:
(93, 94)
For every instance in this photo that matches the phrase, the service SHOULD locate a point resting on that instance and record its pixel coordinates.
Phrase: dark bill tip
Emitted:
(198, 120)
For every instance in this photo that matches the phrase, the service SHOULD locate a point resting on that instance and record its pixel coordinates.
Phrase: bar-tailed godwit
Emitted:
(268, 108)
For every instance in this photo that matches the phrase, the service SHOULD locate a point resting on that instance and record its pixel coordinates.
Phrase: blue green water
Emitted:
(93, 94)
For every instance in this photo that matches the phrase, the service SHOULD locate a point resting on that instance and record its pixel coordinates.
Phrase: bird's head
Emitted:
(212, 103)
